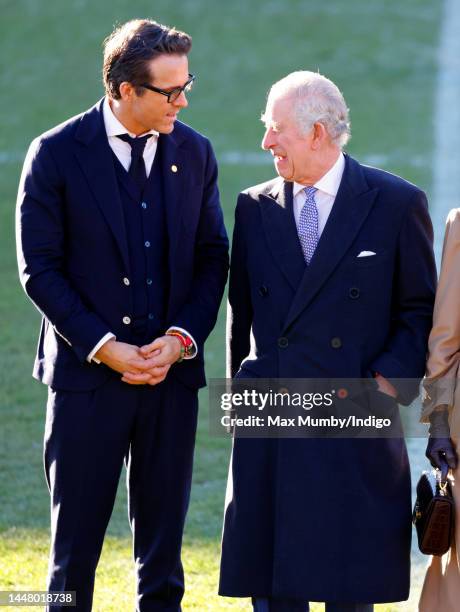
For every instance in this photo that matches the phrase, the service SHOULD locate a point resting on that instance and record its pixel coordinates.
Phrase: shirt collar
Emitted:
(114, 127)
(330, 182)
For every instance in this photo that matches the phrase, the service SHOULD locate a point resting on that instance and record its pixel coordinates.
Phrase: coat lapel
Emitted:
(95, 158)
(353, 203)
(281, 233)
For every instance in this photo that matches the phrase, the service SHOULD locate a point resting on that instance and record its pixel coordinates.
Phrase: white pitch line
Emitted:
(11, 157)
(445, 195)
(260, 158)
(446, 124)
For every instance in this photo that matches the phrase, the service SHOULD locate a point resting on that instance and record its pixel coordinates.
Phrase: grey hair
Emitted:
(316, 99)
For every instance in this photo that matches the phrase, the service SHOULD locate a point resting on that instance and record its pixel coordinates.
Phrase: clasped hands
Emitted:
(143, 365)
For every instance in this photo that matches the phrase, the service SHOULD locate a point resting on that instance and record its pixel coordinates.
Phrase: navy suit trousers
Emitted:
(88, 437)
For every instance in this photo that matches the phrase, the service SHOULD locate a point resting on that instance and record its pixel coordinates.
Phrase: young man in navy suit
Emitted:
(332, 276)
(122, 248)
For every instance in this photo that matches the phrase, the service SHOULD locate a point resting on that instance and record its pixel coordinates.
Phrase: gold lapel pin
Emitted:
(174, 168)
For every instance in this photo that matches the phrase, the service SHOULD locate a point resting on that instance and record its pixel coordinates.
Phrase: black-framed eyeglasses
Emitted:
(172, 94)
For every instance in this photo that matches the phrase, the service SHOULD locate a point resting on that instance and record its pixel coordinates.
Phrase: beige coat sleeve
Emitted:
(444, 341)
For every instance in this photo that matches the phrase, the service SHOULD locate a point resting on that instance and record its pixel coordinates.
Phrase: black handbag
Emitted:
(434, 513)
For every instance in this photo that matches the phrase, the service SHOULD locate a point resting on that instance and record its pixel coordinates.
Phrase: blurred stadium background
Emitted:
(383, 54)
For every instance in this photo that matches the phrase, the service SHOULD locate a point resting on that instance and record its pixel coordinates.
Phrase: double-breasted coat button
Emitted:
(263, 291)
(354, 293)
(126, 281)
(283, 342)
(336, 342)
(126, 320)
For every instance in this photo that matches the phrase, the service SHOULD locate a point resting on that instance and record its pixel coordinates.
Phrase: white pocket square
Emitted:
(366, 254)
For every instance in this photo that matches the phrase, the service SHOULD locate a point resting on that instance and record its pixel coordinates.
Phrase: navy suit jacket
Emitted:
(73, 251)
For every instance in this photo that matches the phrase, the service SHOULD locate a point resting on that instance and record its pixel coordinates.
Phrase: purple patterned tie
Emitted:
(308, 224)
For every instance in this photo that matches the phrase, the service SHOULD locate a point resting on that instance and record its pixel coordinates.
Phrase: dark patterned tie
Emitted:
(137, 167)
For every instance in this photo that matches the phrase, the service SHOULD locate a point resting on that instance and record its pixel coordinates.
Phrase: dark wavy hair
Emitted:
(131, 46)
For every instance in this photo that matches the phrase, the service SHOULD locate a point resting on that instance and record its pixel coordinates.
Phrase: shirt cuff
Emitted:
(101, 342)
(194, 350)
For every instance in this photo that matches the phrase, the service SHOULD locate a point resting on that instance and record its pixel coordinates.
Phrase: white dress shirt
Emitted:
(327, 186)
(122, 150)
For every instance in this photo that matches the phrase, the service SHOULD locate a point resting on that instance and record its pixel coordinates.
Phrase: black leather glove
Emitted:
(440, 450)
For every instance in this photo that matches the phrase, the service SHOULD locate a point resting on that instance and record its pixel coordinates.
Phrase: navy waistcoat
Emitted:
(147, 233)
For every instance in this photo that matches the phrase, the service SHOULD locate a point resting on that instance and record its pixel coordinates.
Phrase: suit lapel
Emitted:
(175, 160)
(353, 203)
(281, 233)
(95, 158)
